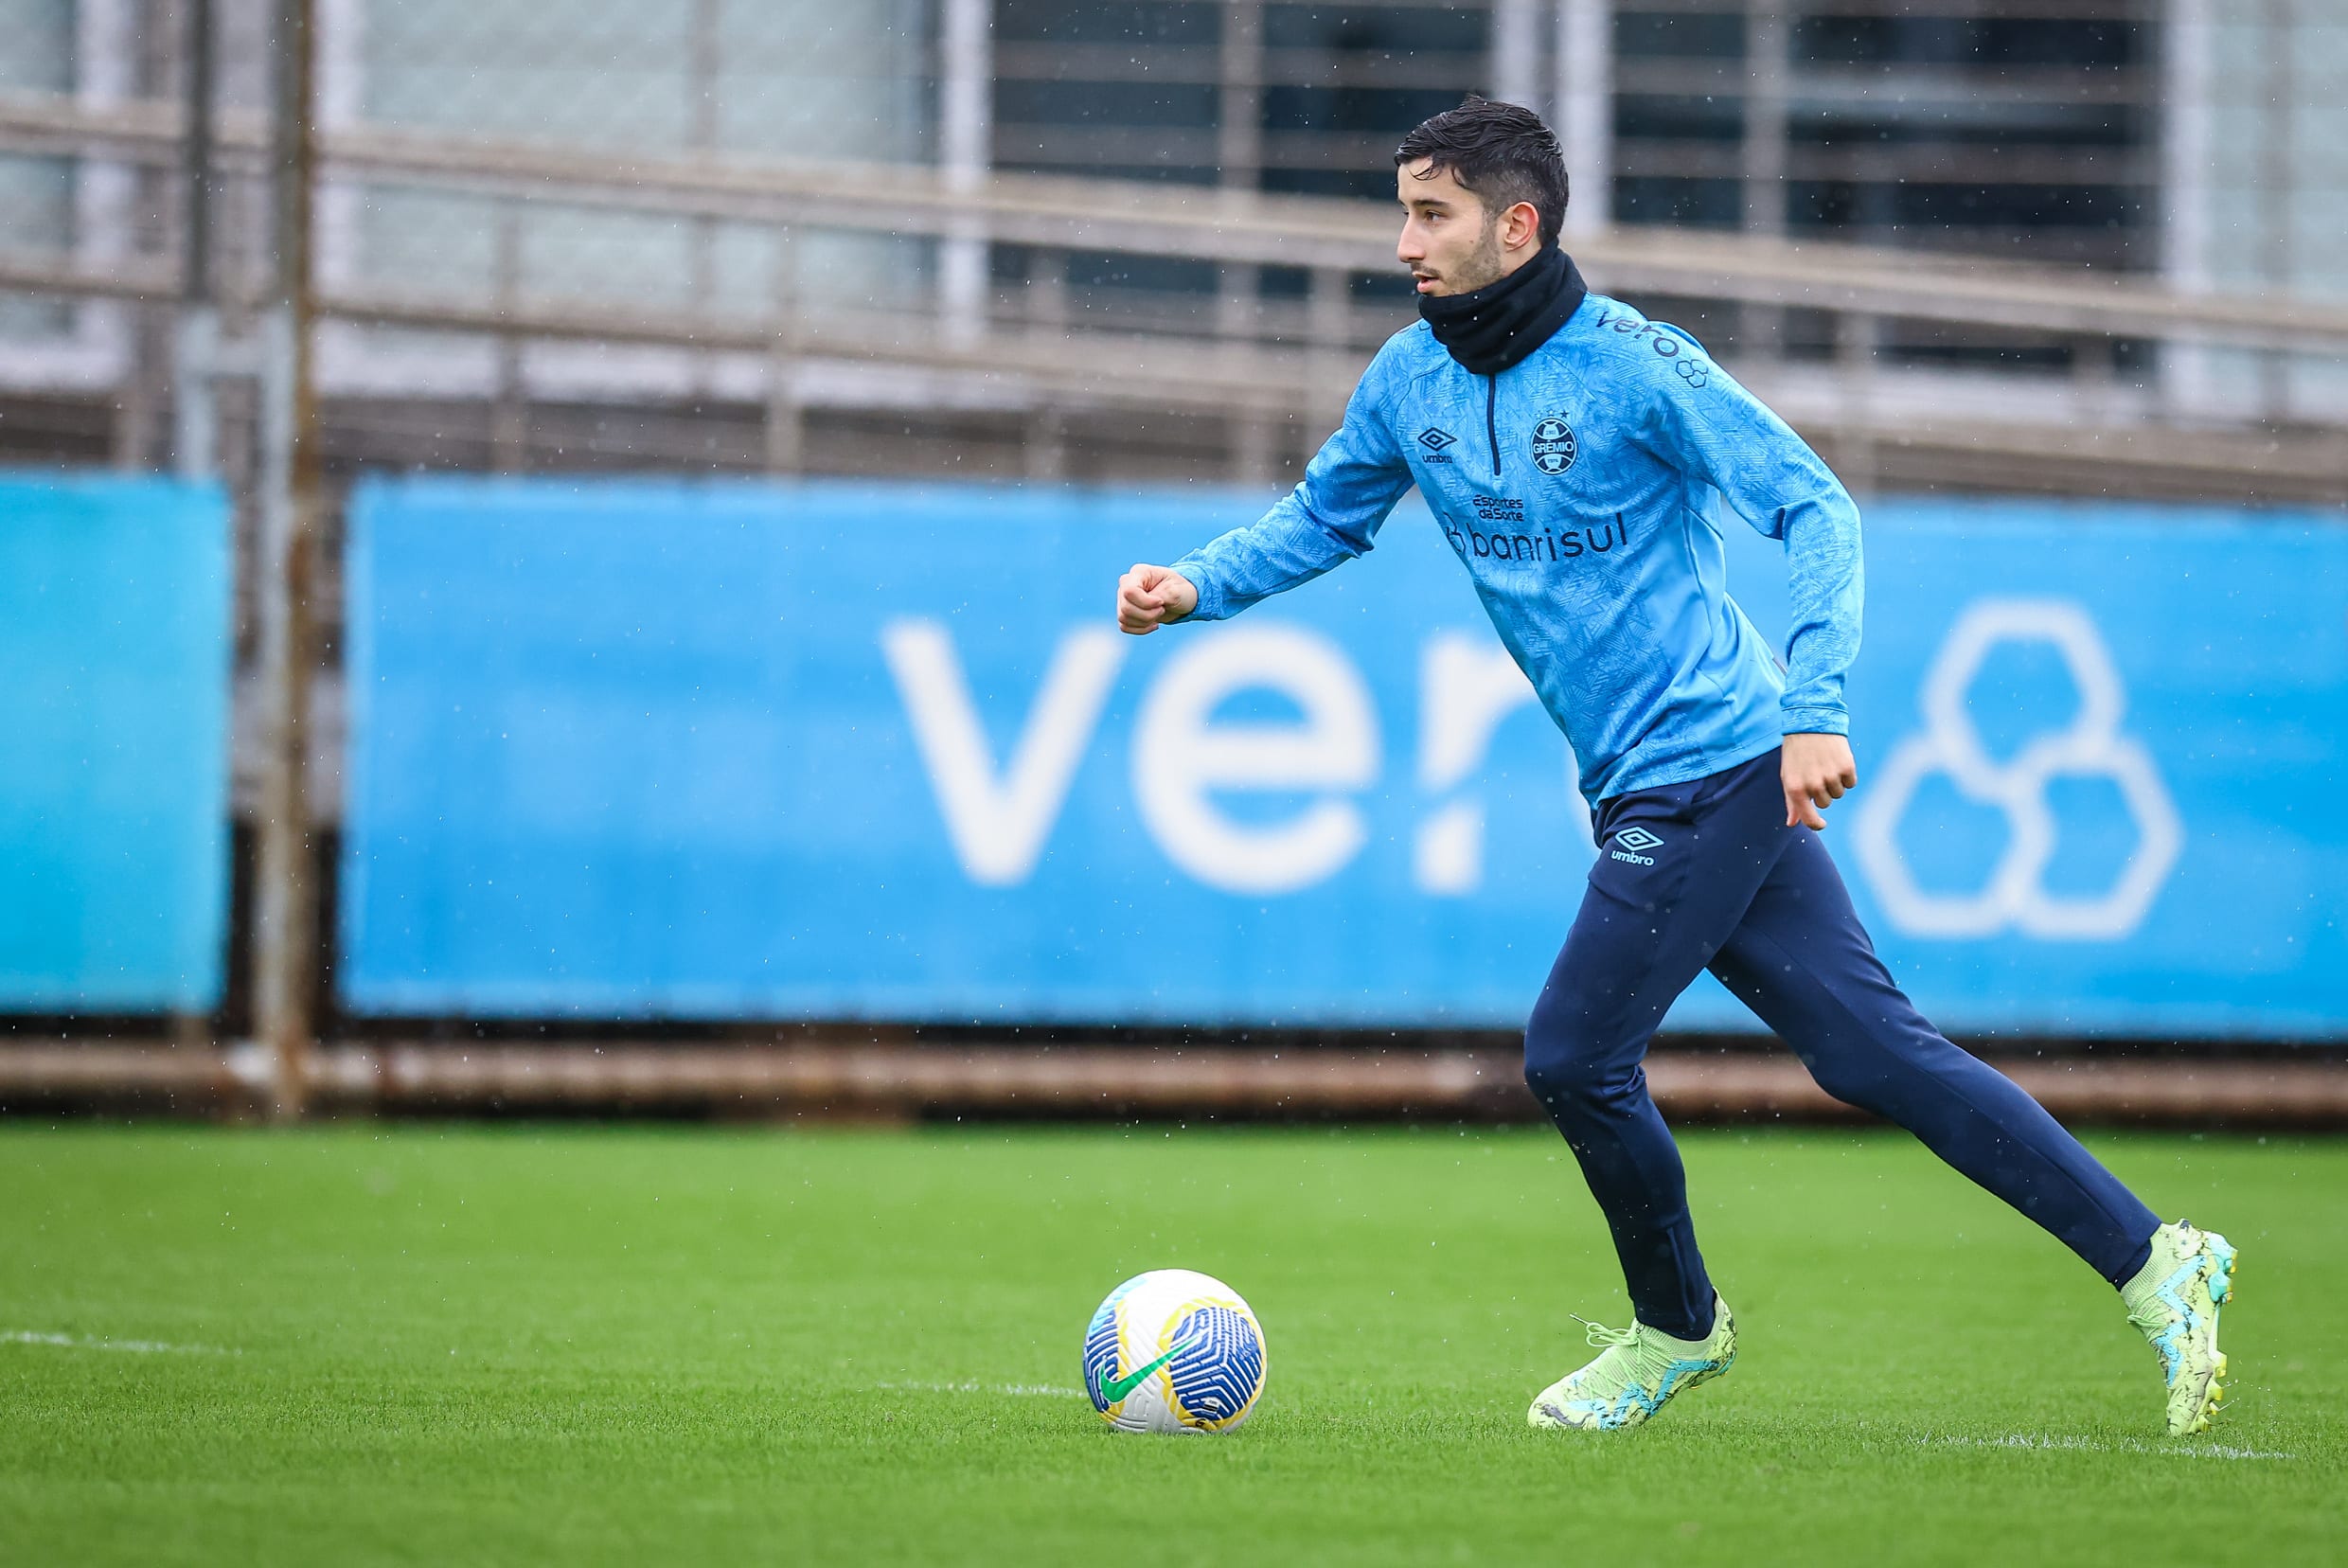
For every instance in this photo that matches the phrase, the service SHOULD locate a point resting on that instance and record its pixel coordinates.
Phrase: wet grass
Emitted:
(587, 1345)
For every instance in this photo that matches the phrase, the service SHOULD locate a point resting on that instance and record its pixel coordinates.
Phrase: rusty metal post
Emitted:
(1857, 338)
(195, 443)
(1584, 115)
(1761, 328)
(285, 904)
(965, 152)
(1328, 320)
(786, 415)
(1239, 153)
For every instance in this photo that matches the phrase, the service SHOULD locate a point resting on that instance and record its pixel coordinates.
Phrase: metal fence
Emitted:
(890, 235)
(724, 215)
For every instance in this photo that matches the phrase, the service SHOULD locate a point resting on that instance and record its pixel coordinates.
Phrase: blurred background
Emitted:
(556, 555)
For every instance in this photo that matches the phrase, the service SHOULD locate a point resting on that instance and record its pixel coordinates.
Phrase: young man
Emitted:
(1573, 452)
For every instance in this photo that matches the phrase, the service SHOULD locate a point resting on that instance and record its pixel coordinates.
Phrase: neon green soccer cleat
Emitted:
(1637, 1372)
(2174, 1299)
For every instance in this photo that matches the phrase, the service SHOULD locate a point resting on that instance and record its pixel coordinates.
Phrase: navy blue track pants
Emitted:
(1706, 875)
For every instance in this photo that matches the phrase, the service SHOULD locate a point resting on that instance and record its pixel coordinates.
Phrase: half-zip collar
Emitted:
(1492, 329)
(1491, 417)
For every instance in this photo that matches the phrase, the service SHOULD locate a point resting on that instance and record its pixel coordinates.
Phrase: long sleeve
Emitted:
(1331, 516)
(1707, 424)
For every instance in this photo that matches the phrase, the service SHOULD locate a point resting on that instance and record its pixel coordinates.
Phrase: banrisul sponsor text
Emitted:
(1546, 545)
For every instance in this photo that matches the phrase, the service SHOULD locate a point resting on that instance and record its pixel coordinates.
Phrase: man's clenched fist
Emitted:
(1151, 597)
(1816, 771)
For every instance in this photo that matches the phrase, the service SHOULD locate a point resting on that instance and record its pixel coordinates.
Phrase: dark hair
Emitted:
(1500, 151)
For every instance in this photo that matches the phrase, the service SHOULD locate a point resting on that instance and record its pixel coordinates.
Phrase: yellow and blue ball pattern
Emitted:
(1173, 1351)
(1217, 1368)
(1102, 1337)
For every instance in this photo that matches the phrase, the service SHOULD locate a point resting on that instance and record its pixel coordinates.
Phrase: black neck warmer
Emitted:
(1496, 325)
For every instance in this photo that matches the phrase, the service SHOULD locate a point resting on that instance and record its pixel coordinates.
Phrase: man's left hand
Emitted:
(1816, 770)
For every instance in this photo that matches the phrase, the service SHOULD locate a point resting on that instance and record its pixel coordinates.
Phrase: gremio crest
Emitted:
(1553, 445)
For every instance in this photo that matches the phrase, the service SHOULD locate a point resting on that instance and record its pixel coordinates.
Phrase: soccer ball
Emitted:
(1173, 1351)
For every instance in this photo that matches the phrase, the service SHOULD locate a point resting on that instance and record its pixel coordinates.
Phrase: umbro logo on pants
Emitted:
(1630, 843)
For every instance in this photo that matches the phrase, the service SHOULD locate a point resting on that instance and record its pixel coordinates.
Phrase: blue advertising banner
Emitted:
(113, 744)
(844, 751)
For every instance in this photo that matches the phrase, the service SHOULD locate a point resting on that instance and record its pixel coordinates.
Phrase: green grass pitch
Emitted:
(587, 1345)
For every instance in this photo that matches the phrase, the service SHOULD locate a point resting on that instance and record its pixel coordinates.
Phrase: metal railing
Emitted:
(1233, 353)
(2140, 386)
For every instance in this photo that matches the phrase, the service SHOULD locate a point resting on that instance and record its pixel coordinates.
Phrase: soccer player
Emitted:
(1574, 453)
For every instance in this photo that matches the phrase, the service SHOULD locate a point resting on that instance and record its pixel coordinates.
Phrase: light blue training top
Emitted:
(1580, 488)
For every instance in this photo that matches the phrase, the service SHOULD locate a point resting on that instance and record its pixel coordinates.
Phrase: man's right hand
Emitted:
(1151, 596)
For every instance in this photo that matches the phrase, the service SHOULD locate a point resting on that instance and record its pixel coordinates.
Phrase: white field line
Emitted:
(1054, 1391)
(2088, 1445)
(83, 1342)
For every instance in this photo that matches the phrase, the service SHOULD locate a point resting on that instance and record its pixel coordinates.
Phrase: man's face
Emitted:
(1450, 244)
